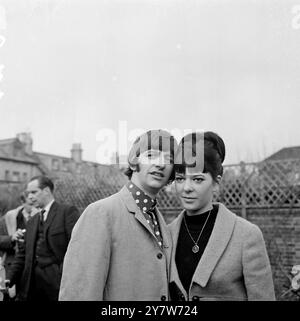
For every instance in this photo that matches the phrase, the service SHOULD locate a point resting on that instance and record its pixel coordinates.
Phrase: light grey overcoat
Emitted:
(113, 254)
(234, 266)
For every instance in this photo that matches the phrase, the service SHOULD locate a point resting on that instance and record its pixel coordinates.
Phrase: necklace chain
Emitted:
(195, 248)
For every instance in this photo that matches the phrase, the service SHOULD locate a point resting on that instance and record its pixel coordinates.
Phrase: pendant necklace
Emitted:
(195, 248)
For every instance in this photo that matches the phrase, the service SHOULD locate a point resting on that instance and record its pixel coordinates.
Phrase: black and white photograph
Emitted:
(149, 152)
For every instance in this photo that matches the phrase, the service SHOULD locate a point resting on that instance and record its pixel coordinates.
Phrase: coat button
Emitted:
(181, 297)
(159, 256)
(163, 298)
(195, 298)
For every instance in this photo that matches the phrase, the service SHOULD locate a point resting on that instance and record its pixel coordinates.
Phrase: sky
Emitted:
(100, 72)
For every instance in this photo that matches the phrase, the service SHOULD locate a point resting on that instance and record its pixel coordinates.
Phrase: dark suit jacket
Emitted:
(6, 244)
(57, 230)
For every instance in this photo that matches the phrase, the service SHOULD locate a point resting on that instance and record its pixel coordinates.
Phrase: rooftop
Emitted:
(286, 153)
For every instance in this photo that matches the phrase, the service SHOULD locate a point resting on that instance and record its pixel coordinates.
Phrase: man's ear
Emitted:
(47, 190)
(133, 168)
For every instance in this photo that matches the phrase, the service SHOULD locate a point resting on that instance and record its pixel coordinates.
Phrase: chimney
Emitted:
(76, 152)
(26, 140)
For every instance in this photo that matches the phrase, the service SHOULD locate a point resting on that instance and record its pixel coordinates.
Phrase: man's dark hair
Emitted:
(128, 171)
(44, 182)
(23, 197)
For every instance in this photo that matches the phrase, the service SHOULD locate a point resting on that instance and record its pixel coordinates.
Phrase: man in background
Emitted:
(12, 229)
(38, 264)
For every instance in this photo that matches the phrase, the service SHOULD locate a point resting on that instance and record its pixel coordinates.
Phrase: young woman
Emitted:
(217, 255)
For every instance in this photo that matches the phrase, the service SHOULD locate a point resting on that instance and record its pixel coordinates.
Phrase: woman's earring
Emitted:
(216, 190)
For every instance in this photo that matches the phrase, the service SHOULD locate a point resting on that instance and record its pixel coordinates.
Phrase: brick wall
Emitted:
(281, 230)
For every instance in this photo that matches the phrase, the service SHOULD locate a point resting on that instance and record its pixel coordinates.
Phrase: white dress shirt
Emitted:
(47, 209)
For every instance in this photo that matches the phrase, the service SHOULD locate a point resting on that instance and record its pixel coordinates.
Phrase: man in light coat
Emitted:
(120, 247)
(12, 229)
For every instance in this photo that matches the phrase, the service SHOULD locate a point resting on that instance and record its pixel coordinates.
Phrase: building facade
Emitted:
(18, 162)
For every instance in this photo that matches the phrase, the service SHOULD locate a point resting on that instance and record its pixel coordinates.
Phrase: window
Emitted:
(16, 177)
(55, 164)
(7, 176)
(24, 177)
(65, 165)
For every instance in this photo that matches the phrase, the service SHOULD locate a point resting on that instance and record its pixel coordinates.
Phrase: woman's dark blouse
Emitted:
(186, 260)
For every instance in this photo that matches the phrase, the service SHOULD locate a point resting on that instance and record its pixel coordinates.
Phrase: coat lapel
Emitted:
(175, 228)
(133, 208)
(31, 232)
(216, 245)
(164, 231)
(52, 213)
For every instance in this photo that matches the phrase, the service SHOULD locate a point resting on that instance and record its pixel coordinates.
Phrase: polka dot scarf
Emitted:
(148, 207)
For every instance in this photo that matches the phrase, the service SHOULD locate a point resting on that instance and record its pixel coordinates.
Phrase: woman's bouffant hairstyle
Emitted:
(213, 149)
